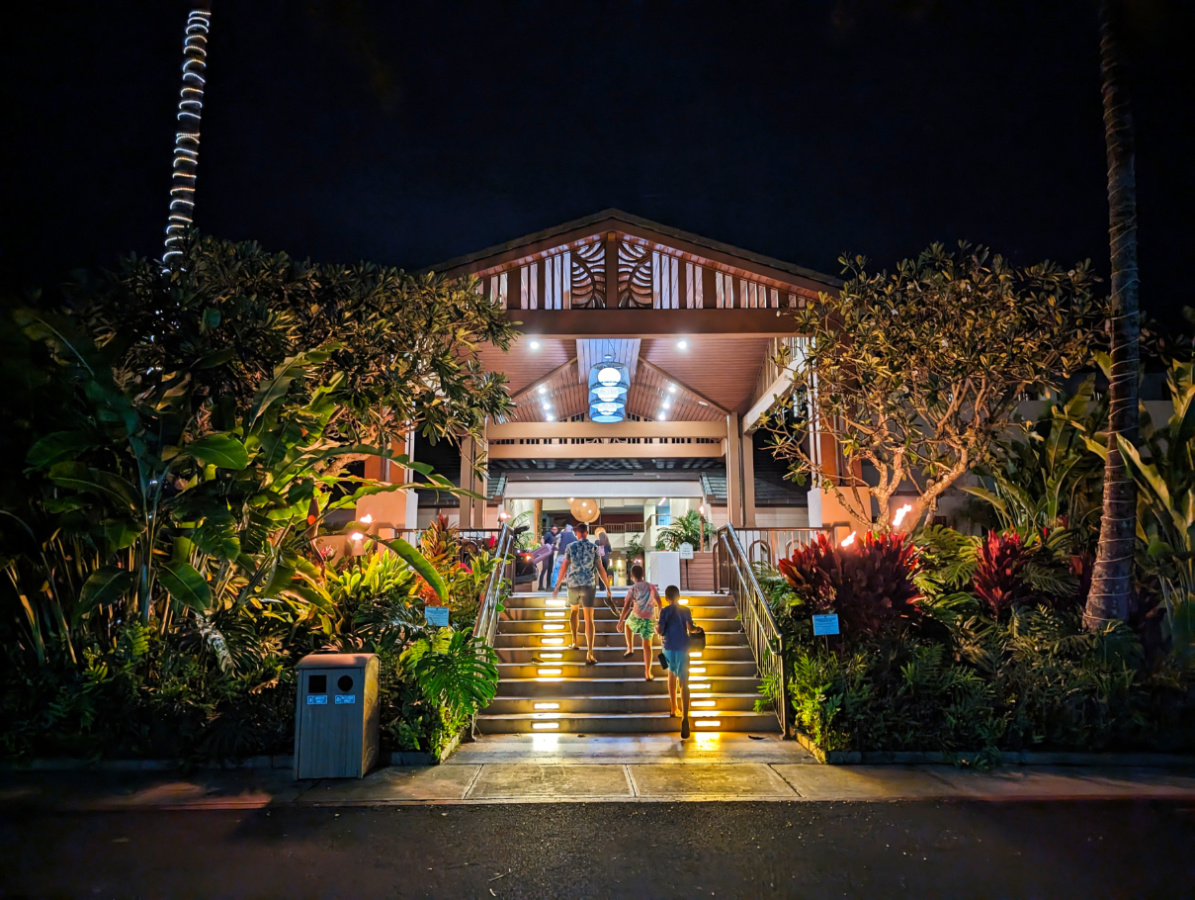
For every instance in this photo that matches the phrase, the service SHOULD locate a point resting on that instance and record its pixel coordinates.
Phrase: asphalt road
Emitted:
(748, 850)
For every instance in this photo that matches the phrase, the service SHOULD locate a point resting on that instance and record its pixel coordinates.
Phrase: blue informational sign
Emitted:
(342, 699)
(827, 624)
(317, 699)
(436, 615)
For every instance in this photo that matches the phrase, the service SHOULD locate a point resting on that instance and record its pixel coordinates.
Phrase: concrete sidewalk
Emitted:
(551, 769)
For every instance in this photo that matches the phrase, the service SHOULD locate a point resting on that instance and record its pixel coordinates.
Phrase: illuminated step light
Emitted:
(700, 713)
(703, 703)
(707, 723)
(704, 694)
(699, 687)
(551, 656)
(547, 706)
(542, 726)
(697, 670)
(550, 671)
(552, 614)
(695, 654)
(552, 642)
(554, 627)
(556, 603)
(684, 601)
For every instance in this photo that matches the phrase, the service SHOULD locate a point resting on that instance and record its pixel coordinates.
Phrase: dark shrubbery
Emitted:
(992, 655)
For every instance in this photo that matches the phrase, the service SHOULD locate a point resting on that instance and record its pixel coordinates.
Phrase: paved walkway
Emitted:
(554, 769)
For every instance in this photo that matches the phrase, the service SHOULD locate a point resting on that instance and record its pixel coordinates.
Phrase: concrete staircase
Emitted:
(545, 688)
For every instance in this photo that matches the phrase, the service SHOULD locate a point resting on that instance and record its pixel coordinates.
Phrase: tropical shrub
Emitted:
(685, 529)
(161, 577)
(868, 584)
(998, 578)
(1164, 469)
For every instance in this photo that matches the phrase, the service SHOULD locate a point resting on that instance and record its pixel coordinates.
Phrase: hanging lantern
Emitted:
(609, 382)
(584, 510)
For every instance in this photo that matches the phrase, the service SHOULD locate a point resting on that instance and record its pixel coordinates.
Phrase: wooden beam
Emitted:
(734, 471)
(648, 323)
(775, 391)
(607, 451)
(670, 377)
(748, 450)
(545, 379)
(565, 430)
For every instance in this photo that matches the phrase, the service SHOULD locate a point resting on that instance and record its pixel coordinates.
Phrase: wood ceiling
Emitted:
(712, 375)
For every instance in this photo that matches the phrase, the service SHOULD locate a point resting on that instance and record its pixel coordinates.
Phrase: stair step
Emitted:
(613, 653)
(603, 613)
(593, 685)
(621, 723)
(542, 600)
(605, 639)
(622, 669)
(601, 626)
(616, 703)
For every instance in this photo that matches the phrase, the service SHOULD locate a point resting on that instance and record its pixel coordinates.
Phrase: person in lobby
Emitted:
(582, 568)
(542, 556)
(563, 540)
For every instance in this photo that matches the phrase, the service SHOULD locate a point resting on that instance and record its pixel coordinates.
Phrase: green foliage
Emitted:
(1051, 479)
(457, 674)
(947, 560)
(1164, 469)
(917, 373)
(1037, 681)
(869, 585)
(685, 529)
(161, 578)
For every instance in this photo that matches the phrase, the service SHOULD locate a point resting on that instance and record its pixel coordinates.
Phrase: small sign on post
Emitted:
(436, 615)
(686, 550)
(827, 624)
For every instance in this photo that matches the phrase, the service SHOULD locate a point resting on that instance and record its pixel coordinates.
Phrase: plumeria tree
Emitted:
(916, 373)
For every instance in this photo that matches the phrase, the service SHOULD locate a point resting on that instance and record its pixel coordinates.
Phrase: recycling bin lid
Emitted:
(334, 660)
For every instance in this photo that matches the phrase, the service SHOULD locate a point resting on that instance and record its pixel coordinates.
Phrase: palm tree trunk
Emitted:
(1112, 578)
(186, 139)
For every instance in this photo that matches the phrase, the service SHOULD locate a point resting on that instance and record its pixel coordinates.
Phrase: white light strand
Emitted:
(186, 142)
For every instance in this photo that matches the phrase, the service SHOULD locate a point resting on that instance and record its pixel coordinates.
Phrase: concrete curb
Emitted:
(1007, 757)
(287, 761)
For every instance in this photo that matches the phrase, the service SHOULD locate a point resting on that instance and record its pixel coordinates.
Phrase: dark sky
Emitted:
(797, 130)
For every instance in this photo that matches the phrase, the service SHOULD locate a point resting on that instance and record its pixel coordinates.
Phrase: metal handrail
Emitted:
(759, 624)
(486, 626)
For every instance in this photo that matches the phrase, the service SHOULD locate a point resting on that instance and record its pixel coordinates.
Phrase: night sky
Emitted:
(408, 133)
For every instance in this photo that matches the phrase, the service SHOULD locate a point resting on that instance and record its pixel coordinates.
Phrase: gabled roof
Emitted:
(618, 220)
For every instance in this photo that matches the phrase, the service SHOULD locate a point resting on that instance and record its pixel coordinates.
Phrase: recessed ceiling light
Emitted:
(535, 345)
(672, 388)
(661, 417)
(682, 345)
(549, 417)
(543, 388)
(702, 403)
(547, 406)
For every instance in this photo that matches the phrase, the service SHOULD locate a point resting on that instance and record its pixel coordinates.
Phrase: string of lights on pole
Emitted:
(186, 139)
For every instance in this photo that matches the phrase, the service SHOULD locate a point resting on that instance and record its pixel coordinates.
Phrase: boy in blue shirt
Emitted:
(676, 622)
